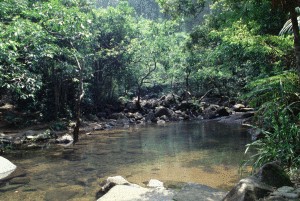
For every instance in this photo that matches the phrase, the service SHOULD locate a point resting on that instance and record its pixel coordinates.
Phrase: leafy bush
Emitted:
(282, 144)
(274, 94)
(59, 126)
(278, 117)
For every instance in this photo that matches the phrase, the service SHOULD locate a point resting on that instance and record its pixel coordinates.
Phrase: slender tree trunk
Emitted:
(56, 93)
(293, 16)
(138, 103)
(187, 84)
(78, 103)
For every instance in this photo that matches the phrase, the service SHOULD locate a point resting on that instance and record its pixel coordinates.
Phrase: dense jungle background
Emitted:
(64, 60)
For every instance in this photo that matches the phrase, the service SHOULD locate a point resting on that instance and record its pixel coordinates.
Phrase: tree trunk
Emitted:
(78, 103)
(293, 16)
(187, 83)
(138, 103)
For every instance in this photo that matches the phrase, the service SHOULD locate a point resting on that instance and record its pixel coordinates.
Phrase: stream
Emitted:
(205, 152)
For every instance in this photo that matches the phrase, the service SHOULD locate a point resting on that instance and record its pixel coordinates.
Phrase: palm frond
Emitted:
(288, 28)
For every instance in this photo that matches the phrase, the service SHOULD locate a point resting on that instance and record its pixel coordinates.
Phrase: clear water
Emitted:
(202, 152)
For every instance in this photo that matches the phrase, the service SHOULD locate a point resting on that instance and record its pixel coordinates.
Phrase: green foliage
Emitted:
(281, 144)
(59, 126)
(278, 117)
(282, 87)
(177, 8)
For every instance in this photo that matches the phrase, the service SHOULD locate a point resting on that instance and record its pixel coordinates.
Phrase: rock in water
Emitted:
(113, 181)
(6, 167)
(154, 183)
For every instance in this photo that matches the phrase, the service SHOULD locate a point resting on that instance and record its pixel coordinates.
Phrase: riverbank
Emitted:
(168, 108)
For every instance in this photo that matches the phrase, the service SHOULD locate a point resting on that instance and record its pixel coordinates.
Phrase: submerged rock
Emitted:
(64, 193)
(192, 192)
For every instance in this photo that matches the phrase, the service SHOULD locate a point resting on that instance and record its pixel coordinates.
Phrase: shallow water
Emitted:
(203, 152)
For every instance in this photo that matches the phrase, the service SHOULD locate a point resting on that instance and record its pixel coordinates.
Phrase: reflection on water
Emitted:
(201, 152)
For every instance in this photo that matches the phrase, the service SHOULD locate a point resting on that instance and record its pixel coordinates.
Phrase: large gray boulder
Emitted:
(6, 167)
(260, 185)
(248, 189)
(160, 111)
(113, 181)
(119, 189)
(136, 193)
(273, 175)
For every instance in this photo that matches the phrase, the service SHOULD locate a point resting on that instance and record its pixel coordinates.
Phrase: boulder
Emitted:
(37, 135)
(223, 111)
(119, 189)
(273, 175)
(112, 181)
(138, 116)
(154, 183)
(131, 106)
(164, 117)
(150, 104)
(6, 168)
(248, 189)
(260, 185)
(5, 140)
(238, 107)
(161, 122)
(185, 105)
(169, 99)
(117, 116)
(247, 109)
(160, 111)
(211, 112)
(65, 139)
(136, 193)
(287, 192)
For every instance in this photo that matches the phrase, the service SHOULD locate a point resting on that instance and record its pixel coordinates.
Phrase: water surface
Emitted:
(203, 152)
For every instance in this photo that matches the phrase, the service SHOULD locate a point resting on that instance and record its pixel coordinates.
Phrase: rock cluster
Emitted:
(269, 183)
(172, 107)
(156, 110)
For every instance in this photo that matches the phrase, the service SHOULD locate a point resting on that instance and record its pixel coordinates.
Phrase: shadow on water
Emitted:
(201, 152)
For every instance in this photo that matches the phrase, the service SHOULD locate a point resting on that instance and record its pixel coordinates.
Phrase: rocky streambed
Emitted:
(168, 108)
